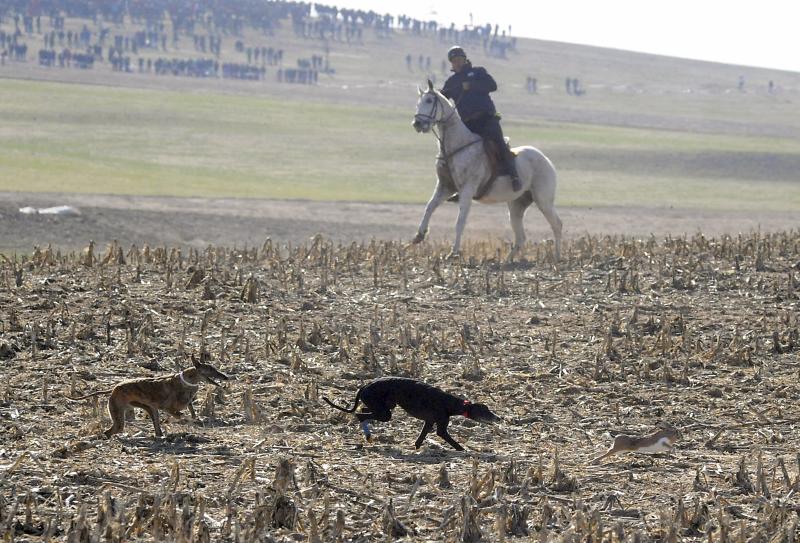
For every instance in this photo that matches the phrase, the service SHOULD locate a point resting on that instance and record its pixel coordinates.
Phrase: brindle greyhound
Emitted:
(171, 394)
(420, 400)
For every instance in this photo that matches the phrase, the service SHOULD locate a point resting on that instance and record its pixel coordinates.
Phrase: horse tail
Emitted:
(340, 408)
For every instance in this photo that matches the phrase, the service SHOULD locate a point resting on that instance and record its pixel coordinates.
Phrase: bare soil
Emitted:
(197, 222)
(700, 333)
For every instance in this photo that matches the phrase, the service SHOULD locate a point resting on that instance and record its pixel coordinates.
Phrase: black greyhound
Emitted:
(420, 400)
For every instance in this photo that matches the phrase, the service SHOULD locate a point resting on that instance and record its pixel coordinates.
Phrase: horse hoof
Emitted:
(419, 238)
(453, 255)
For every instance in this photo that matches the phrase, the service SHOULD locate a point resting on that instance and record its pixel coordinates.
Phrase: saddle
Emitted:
(497, 162)
(497, 166)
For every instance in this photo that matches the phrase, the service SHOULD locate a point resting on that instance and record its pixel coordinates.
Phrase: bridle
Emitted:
(431, 117)
(432, 120)
(444, 157)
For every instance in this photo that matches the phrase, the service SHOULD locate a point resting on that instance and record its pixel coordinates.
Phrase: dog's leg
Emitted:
(153, 412)
(426, 429)
(381, 413)
(116, 410)
(441, 431)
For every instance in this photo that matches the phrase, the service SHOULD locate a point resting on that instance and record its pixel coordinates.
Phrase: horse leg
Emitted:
(549, 212)
(516, 212)
(439, 195)
(464, 204)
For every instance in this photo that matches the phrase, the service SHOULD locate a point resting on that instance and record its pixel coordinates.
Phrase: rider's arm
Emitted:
(450, 90)
(483, 82)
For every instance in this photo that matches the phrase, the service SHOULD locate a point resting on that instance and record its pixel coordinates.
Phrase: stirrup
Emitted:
(453, 198)
(516, 184)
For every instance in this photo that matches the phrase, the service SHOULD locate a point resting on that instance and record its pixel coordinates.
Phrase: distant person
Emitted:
(741, 83)
(568, 83)
(469, 87)
(771, 86)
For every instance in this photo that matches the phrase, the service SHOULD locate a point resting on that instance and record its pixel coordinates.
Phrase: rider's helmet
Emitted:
(454, 52)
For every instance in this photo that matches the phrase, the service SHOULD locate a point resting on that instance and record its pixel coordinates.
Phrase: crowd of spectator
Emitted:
(65, 59)
(267, 55)
(12, 47)
(207, 22)
(303, 76)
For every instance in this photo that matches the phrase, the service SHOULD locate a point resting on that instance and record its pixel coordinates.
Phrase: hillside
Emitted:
(621, 88)
(646, 131)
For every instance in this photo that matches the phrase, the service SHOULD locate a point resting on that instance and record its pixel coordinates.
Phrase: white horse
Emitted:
(463, 167)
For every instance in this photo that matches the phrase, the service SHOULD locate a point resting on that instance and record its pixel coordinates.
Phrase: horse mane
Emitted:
(447, 100)
(439, 95)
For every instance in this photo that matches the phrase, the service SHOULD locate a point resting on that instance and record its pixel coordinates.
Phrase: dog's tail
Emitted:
(340, 408)
(92, 395)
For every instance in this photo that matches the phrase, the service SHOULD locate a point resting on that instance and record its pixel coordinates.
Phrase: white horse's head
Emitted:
(432, 106)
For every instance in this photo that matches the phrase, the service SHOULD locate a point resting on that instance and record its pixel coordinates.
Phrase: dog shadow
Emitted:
(171, 443)
(431, 455)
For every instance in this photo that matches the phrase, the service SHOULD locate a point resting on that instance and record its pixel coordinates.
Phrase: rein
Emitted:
(431, 117)
(454, 153)
(483, 187)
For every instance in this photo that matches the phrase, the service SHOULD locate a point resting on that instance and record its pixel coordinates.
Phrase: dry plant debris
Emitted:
(621, 336)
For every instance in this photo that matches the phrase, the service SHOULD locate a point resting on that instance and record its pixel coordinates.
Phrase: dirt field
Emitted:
(699, 333)
(234, 222)
(655, 317)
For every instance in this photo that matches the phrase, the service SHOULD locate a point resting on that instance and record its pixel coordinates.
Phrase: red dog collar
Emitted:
(466, 409)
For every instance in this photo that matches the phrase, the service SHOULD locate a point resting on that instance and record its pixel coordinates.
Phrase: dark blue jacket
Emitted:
(474, 102)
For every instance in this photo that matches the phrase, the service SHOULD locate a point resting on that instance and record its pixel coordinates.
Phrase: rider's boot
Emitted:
(511, 165)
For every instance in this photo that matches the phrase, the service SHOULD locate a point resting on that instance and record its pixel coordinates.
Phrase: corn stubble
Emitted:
(621, 335)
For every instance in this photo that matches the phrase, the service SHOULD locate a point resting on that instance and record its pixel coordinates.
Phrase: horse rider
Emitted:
(469, 87)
